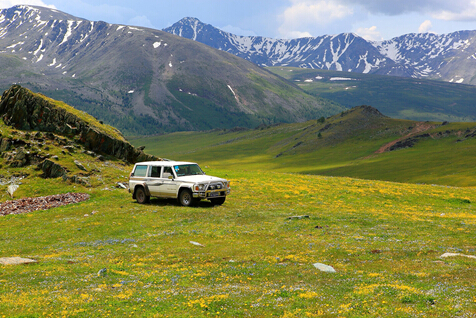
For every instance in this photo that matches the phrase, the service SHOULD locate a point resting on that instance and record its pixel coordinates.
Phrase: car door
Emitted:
(170, 185)
(155, 182)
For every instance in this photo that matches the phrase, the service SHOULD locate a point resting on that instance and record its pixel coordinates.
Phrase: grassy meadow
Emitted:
(253, 256)
(383, 239)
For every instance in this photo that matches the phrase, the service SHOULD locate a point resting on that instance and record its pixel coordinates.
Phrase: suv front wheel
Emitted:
(186, 198)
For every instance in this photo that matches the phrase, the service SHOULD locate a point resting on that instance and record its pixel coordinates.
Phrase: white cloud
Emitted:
(370, 34)
(10, 3)
(454, 10)
(140, 21)
(459, 12)
(305, 16)
(425, 26)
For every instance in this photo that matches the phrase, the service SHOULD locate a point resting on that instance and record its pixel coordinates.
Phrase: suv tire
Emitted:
(141, 197)
(186, 198)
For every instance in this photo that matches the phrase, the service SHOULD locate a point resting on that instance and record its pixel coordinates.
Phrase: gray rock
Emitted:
(445, 255)
(324, 268)
(298, 217)
(120, 185)
(102, 272)
(16, 261)
(80, 166)
(51, 169)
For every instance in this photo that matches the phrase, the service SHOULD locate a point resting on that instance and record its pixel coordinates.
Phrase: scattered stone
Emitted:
(30, 204)
(102, 272)
(196, 244)
(70, 148)
(120, 185)
(16, 261)
(80, 166)
(445, 255)
(298, 217)
(324, 268)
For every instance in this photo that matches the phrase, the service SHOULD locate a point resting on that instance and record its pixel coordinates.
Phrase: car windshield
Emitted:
(188, 169)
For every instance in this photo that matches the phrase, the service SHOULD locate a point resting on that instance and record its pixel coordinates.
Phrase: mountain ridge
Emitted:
(449, 57)
(141, 80)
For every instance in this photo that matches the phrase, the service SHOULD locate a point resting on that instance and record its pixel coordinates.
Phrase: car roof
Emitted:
(164, 163)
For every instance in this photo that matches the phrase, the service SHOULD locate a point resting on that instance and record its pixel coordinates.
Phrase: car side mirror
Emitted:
(170, 177)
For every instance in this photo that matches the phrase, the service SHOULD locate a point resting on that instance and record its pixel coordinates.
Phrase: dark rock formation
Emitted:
(24, 110)
(51, 169)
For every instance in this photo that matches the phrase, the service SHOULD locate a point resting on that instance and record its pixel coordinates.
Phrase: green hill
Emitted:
(397, 97)
(359, 143)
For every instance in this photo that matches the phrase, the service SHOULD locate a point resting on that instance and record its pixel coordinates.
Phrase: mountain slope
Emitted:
(448, 57)
(397, 97)
(360, 142)
(140, 80)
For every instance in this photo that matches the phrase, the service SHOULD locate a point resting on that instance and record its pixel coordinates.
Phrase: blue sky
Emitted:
(282, 19)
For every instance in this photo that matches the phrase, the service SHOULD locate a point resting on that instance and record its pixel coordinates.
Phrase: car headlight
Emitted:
(199, 187)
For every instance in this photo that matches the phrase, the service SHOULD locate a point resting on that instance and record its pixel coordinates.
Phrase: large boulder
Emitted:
(51, 169)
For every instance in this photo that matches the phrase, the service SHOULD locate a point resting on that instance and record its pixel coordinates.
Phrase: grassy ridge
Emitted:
(346, 148)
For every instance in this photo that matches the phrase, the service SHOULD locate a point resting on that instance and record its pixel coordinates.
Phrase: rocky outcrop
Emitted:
(51, 169)
(24, 110)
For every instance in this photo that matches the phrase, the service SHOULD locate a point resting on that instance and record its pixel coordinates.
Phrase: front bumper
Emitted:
(211, 194)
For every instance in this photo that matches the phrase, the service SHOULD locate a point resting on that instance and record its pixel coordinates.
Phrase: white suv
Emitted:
(182, 180)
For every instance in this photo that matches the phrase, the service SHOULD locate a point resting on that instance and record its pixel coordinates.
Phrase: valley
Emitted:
(352, 195)
(260, 253)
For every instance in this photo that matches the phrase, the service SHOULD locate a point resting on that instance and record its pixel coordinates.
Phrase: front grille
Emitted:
(215, 186)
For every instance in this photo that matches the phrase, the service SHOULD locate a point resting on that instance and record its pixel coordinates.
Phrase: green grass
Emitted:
(384, 240)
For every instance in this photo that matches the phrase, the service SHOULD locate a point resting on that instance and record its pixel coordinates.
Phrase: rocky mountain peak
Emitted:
(447, 57)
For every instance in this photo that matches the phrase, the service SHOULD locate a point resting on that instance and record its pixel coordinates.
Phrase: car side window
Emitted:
(167, 172)
(141, 170)
(155, 171)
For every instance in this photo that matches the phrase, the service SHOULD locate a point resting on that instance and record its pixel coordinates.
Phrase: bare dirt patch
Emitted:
(30, 204)
(419, 128)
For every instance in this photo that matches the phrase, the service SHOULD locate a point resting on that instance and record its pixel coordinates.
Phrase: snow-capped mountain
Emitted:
(450, 57)
(141, 80)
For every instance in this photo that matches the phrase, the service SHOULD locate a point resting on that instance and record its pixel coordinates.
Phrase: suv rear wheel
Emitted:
(141, 197)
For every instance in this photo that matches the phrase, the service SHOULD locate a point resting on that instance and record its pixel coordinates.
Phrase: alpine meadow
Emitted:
(348, 198)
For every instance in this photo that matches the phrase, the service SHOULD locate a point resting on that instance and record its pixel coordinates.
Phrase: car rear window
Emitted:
(141, 170)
